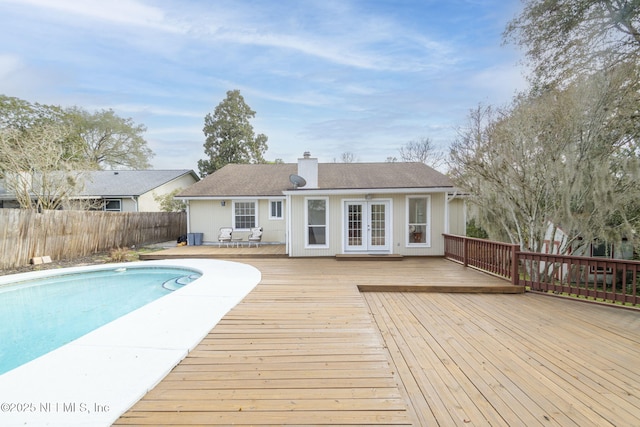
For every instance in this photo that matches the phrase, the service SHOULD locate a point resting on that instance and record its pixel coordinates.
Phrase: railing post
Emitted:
(515, 263)
(465, 251)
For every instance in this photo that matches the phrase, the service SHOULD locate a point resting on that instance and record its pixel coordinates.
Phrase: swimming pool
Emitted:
(40, 315)
(97, 377)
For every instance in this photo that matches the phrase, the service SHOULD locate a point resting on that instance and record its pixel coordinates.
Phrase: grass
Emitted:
(127, 254)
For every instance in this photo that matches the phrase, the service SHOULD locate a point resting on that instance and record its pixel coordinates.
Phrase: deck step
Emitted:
(480, 289)
(369, 257)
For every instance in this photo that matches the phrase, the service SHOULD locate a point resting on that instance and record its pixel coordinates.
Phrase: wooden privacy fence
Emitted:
(593, 278)
(66, 234)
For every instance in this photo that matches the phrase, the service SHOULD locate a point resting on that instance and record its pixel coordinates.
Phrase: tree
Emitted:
(566, 157)
(168, 202)
(38, 168)
(110, 141)
(567, 38)
(348, 157)
(230, 137)
(18, 114)
(421, 150)
(98, 140)
(22, 116)
(44, 149)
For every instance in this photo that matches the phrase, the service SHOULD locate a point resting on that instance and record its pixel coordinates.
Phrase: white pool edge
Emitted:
(96, 378)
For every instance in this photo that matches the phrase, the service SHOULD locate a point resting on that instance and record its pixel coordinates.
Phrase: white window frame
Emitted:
(281, 216)
(427, 240)
(307, 245)
(106, 201)
(255, 213)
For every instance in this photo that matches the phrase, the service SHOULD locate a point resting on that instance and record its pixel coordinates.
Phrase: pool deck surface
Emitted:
(307, 347)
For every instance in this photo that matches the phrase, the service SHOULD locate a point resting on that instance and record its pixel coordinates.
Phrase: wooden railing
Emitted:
(594, 278)
(493, 257)
(604, 279)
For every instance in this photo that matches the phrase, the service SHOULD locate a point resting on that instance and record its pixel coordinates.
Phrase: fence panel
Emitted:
(67, 234)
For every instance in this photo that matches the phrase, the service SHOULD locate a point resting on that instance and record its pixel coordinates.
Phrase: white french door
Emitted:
(367, 226)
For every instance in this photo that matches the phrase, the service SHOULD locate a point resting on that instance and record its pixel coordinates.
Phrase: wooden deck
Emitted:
(307, 348)
(215, 251)
(505, 360)
(440, 276)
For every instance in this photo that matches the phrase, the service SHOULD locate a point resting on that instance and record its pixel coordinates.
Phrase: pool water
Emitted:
(42, 315)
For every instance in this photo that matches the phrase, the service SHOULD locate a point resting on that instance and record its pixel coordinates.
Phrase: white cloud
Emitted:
(19, 79)
(9, 65)
(154, 110)
(121, 12)
(499, 81)
(333, 32)
(323, 75)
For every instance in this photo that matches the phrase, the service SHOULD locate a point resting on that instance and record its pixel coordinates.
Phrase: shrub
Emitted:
(119, 255)
(474, 230)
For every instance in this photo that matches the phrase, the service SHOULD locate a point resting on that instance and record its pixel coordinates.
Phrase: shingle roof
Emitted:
(128, 182)
(244, 180)
(272, 179)
(380, 175)
(120, 182)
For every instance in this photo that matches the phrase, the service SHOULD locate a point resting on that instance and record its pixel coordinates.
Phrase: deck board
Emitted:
(530, 357)
(307, 348)
(295, 351)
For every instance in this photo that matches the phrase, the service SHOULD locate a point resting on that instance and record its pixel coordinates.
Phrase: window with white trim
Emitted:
(275, 209)
(418, 221)
(316, 221)
(244, 215)
(113, 205)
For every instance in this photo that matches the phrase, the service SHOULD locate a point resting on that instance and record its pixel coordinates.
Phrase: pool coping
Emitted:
(97, 377)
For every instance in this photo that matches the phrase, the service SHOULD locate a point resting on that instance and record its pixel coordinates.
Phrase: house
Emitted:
(325, 209)
(563, 244)
(557, 241)
(121, 190)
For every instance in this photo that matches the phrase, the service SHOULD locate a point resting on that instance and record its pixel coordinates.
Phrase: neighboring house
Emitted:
(122, 190)
(561, 245)
(343, 208)
(7, 200)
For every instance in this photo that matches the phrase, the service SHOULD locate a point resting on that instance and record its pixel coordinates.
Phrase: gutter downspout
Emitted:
(135, 202)
(288, 228)
(446, 212)
(186, 202)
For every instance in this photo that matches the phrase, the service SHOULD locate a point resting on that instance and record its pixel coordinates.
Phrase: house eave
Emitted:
(265, 197)
(114, 196)
(349, 191)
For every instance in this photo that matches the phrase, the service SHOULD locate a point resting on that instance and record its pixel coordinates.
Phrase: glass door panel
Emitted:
(367, 226)
(354, 224)
(378, 225)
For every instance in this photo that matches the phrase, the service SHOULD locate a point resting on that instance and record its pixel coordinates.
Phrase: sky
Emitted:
(325, 76)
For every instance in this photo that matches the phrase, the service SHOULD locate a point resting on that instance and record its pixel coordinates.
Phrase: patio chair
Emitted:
(224, 236)
(255, 236)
